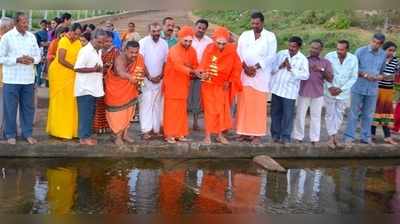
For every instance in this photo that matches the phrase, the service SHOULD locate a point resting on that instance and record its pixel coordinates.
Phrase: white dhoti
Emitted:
(334, 110)
(151, 110)
(315, 105)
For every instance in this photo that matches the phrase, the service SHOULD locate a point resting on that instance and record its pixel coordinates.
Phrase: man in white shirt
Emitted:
(19, 52)
(89, 84)
(199, 43)
(257, 50)
(154, 51)
(291, 66)
(337, 94)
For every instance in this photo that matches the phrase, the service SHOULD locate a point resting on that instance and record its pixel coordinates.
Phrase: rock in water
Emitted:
(268, 163)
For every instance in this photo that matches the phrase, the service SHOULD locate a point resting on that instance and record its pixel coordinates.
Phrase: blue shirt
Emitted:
(117, 40)
(373, 63)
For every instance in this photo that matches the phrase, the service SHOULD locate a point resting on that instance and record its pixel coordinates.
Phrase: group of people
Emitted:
(98, 79)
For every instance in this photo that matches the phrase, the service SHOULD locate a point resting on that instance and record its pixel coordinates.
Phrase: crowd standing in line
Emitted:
(100, 80)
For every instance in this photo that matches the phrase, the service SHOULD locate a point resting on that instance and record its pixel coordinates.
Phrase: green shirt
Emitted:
(171, 41)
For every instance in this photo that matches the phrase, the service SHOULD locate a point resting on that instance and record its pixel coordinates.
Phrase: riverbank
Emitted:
(157, 148)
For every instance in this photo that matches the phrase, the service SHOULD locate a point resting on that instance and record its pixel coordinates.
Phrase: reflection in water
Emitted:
(115, 187)
(61, 189)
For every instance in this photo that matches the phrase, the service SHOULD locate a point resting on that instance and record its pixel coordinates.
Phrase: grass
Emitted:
(327, 25)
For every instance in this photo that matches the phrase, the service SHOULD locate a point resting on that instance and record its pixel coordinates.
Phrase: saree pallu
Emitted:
(384, 108)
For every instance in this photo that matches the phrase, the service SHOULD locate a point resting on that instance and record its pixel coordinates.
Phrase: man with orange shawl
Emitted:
(180, 67)
(222, 67)
(121, 90)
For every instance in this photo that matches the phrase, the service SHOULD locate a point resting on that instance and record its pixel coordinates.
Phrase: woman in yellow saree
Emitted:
(62, 120)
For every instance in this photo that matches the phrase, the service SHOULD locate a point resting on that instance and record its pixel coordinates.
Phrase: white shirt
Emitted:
(262, 51)
(344, 74)
(284, 83)
(89, 83)
(13, 45)
(155, 55)
(200, 45)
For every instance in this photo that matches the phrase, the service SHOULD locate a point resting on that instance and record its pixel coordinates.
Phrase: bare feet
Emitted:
(31, 140)
(242, 138)
(88, 141)
(348, 145)
(256, 141)
(12, 141)
(146, 136)
(118, 141)
(331, 143)
(128, 139)
(390, 141)
(207, 141)
(221, 139)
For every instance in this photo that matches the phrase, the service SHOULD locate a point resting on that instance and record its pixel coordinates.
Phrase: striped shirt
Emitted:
(286, 83)
(13, 45)
(390, 69)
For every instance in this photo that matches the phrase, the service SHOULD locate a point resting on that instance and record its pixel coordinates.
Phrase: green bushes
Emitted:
(327, 25)
(340, 21)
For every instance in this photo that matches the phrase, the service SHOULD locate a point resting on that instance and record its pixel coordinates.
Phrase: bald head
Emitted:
(108, 26)
(6, 24)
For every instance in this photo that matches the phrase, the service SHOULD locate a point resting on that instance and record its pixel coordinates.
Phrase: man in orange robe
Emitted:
(180, 67)
(222, 85)
(121, 90)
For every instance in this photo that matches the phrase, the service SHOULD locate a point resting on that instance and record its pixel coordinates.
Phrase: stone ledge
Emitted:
(196, 151)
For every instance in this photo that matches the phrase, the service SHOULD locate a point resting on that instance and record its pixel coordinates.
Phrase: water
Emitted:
(118, 186)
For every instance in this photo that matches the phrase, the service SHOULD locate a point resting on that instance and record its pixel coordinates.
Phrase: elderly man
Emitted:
(257, 50)
(19, 52)
(180, 67)
(337, 93)
(291, 67)
(311, 94)
(117, 42)
(155, 51)
(200, 42)
(6, 24)
(371, 62)
(168, 31)
(89, 84)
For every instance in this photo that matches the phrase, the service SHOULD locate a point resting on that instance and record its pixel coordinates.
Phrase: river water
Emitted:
(141, 186)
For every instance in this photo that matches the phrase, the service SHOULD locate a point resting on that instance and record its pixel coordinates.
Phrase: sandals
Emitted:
(170, 140)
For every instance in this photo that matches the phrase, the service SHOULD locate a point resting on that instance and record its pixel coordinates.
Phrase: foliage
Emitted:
(339, 21)
(327, 25)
